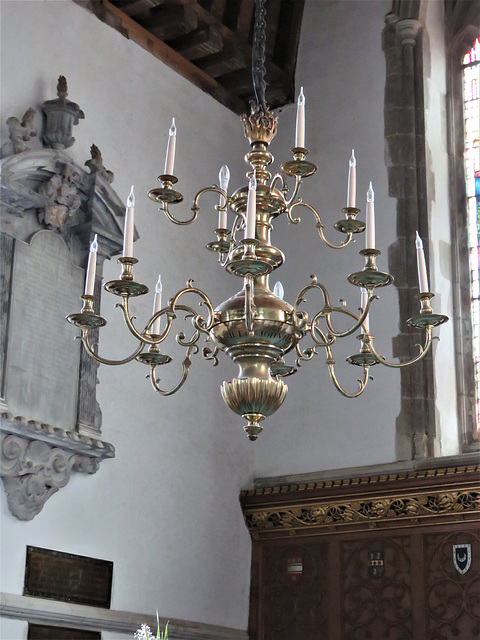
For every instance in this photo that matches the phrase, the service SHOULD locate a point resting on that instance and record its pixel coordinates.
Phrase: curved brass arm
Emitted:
(313, 285)
(362, 383)
(213, 188)
(174, 220)
(359, 319)
(238, 224)
(319, 224)
(422, 351)
(306, 355)
(186, 366)
(200, 323)
(314, 330)
(211, 354)
(91, 352)
(279, 177)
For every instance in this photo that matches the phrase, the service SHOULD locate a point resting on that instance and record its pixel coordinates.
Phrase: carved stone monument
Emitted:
(50, 209)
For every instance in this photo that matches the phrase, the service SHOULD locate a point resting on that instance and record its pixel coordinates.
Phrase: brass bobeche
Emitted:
(254, 327)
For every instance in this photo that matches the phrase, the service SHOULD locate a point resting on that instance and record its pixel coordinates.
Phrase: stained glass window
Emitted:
(471, 85)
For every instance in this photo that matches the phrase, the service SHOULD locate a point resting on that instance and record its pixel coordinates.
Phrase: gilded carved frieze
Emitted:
(274, 515)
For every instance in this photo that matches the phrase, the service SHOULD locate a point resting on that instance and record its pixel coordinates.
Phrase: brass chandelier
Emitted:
(256, 328)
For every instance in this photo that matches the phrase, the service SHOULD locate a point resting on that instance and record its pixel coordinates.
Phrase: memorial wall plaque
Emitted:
(42, 357)
(70, 578)
(43, 632)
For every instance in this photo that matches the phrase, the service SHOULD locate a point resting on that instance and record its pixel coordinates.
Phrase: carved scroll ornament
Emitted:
(33, 470)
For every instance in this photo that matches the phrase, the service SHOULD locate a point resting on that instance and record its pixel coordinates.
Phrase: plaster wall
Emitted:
(438, 180)
(342, 68)
(165, 510)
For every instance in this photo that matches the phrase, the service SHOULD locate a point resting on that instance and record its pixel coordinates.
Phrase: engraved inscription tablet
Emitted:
(42, 357)
(43, 632)
(67, 577)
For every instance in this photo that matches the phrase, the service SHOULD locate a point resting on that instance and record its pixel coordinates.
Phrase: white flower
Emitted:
(144, 633)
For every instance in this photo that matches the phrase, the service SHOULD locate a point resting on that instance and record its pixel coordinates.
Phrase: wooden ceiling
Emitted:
(209, 42)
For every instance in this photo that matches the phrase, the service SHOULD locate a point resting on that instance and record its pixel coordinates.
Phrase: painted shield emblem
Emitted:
(295, 568)
(462, 557)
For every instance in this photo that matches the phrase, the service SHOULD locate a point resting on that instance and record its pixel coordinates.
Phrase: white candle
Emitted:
(223, 177)
(91, 268)
(300, 126)
(251, 209)
(370, 243)
(421, 265)
(278, 290)
(157, 305)
(170, 157)
(352, 181)
(363, 304)
(129, 226)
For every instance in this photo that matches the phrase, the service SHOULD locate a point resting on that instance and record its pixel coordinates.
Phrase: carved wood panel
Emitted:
(295, 592)
(452, 598)
(376, 601)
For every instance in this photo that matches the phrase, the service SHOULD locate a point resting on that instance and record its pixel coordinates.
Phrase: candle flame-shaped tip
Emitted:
(94, 245)
(301, 97)
(224, 177)
(278, 290)
(418, 241)
(352, 162)
(370, 194)
(158, 286)
(173, 129)
(131, 198)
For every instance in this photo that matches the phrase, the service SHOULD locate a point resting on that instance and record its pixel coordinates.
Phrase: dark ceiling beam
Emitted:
(198, 44)
(116, 18)
(169, 22)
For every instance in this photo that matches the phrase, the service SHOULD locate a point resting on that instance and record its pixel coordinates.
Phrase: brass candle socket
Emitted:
(87, 318)
(365, 358)
(221, 245)
(350, 224)
(299, 167)
(370, 276)
(280, 369)
(255, 258)
(126, 286)
(426, 318)
(165, 195)
(153, 357)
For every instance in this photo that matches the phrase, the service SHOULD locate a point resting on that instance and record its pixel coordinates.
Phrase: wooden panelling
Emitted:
(366, 558)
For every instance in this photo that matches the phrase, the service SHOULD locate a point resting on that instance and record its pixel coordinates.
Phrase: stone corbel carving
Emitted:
(36, 460)
(19, 132)
(62, 200)
(95, 164)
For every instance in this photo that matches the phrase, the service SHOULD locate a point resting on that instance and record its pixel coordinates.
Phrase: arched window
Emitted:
(463, 111)
(471, 106)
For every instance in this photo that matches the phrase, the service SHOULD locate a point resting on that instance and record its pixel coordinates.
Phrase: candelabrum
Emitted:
(255, 327)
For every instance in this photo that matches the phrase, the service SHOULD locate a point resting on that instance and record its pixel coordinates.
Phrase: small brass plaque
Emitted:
(43, 632)
(67, 577)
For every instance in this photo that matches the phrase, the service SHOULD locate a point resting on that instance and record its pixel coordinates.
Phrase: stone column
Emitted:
(404, 131)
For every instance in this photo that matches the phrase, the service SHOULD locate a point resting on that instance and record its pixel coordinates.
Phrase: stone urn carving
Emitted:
(61, 115)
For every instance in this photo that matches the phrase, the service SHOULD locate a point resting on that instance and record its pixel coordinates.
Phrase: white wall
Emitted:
(165, 510)
(342, 68)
